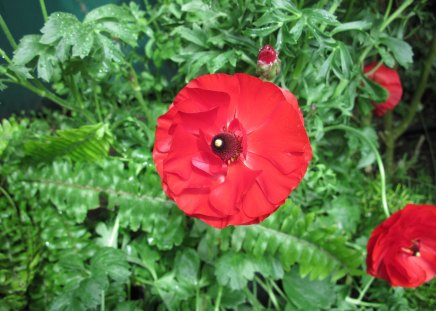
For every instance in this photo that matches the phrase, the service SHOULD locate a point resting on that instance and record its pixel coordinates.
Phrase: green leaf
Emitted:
(293, 236)
(401, 50)
(109, 11)
(7, 132)
(262, 31)
(87, 143)
(387, 57)
(195, 35)
(45, 67)
(187, 266)
(28, 48)
(234, 270)
(306, 294)
(111, 262)
(321, 16)
(297, 30)
(375, 91)
(357, 25)
(60, 25)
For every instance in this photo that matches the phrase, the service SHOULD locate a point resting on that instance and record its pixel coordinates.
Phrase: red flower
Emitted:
(402, 249)
(268, 63)
(231, 149)
(390, 80)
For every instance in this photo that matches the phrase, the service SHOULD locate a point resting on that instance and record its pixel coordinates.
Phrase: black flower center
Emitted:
(413, 249)
(227, 146)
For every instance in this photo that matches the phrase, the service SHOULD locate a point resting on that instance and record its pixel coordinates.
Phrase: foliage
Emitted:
(85, 224)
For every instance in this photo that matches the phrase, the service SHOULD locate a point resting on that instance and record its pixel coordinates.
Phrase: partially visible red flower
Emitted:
(390, 80)
(402, 249)
(268, 63)
(231, 149)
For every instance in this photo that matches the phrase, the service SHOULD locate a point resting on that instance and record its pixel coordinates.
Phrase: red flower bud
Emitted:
(268, 63)
(402, 249)
(390, 80)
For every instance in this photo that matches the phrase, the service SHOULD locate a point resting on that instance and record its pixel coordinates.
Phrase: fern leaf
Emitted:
(7, 130)
(87, 143)
(295, 238)
(77, 188)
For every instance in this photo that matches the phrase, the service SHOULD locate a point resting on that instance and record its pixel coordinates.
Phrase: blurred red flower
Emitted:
(231, 149)
(402, 249)
(390, 80)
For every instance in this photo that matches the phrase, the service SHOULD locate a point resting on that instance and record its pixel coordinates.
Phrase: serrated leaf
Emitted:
(7, 132)
(187, 265)
(45, 67)
(401, 50)
(60, 25)
(87, 143)
(109, 11)
(387, 57)
(28, 48)
(306, 294)
(234, 270)
(321, 16)
(111, 262)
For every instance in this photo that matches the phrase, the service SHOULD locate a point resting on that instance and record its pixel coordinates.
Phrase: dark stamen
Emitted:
(227, 146)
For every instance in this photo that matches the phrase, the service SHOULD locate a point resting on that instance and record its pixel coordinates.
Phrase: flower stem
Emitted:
(394, 15)
(422, 85)
(7, 33)
(377, 157)
(43, 10)
(218, 298)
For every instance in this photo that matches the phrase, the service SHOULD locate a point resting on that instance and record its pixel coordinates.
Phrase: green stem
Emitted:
(363, 303)
(43, 92)
(9, 198)
(268, 289)
(7, 33)
(218, 298)
(340, 87)
(397, 13)
(102, 306)
(138, 94)
(422, 85)
(390, 143)
(43, 10)
(365, 289)
(377, 157)
(388, 9)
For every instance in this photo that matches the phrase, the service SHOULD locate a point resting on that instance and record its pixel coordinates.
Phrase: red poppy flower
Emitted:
(231, 149)
(402, 249)
(390, 80)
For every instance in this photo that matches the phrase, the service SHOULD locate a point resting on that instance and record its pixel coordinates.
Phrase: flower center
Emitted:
(412, 250)
(227, 146)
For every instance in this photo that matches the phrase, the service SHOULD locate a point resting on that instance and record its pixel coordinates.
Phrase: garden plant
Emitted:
(222, 155)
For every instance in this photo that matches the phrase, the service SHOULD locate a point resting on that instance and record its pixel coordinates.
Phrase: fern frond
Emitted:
(295, 238)
(86, 143)
(7, 130)
(77, 188)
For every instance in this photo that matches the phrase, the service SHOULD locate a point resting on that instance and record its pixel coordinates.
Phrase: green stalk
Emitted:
(422, 85)
(218, 299)
(397, 13)
(138, 94)
(390, 142)
(43, 10)
(388, 10)
(377, 157)
(7, 33)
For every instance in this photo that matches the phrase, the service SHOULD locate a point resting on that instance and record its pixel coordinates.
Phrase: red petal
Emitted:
(163, 138)
(257, 100)
(255, 203)
(192, 100)
(227, 197)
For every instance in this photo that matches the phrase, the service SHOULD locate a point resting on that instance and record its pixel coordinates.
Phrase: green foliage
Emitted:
(84, 222)
(87, 143)
(297, 239)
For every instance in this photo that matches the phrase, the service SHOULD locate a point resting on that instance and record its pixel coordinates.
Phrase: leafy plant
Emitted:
(85, 224)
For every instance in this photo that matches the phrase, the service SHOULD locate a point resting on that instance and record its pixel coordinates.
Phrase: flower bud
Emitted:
(268, 63)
